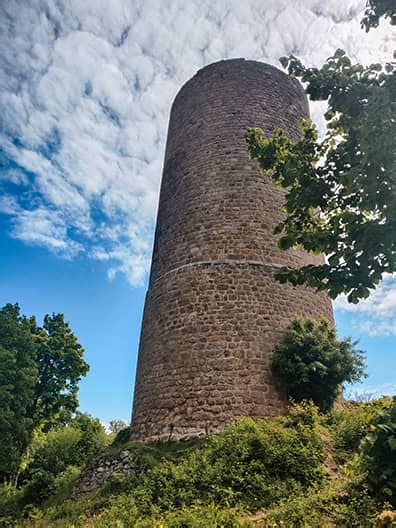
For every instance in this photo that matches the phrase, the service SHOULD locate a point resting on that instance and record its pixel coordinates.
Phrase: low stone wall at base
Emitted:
(125, 463)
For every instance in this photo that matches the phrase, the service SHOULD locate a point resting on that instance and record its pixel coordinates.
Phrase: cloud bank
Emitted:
(375, 315)
(85, 94)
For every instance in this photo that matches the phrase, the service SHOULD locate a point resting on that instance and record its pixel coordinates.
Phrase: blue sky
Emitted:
(105, 315)
(85, 93)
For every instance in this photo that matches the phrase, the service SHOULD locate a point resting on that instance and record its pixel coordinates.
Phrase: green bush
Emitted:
(272, 470)
(312, 364)
(210, 516)
(39, 486)
(93, 438)
(324, 506)
(350, 425)
(64, 482)
(250, 463)
(10, 504)
(117, 483)
(70, 446)
(378, 455)
(122, 436)
(123, 513)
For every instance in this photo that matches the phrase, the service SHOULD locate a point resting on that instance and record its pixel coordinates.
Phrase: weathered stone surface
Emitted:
(213, 312)
(126, 463)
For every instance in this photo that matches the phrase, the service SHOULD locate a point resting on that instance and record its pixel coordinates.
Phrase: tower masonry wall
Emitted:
(213, 312)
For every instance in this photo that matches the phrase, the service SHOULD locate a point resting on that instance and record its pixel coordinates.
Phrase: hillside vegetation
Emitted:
(307, 469)
(317, 466)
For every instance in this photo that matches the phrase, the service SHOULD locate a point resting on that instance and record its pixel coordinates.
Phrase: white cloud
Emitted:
(46, 228)
(85, 94)
(375, 315)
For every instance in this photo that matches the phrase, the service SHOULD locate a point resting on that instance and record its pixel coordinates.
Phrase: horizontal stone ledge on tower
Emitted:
(225, 262)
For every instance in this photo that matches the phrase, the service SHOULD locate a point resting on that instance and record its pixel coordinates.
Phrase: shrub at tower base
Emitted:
(287, 471)
(312, 363)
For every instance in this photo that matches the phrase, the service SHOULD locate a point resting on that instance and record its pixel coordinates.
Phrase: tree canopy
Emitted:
(18, 375)
(375, 9)
(40, 368)
(340, 191)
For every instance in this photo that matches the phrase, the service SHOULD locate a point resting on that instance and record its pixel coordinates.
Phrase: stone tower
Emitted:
(213, 312)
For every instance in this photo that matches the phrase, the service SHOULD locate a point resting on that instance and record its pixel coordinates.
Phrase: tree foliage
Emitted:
(311, 363)
(40, 368)
(375, 9)
(72, 445)
(341, 191)
(61, 365)
(18, 375)
(378, 454)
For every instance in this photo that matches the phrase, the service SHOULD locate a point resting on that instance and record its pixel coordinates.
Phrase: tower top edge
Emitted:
(237, 62)
(240, 66)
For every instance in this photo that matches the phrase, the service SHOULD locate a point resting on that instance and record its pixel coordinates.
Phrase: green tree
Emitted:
(93, 437)
(53, 453)
(340, 191)
(40, 368)
(61, 365)
(312, 364)
(375, 9)
(18, 375)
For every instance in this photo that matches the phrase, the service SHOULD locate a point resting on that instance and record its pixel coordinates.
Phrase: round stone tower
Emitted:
(213, 311)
